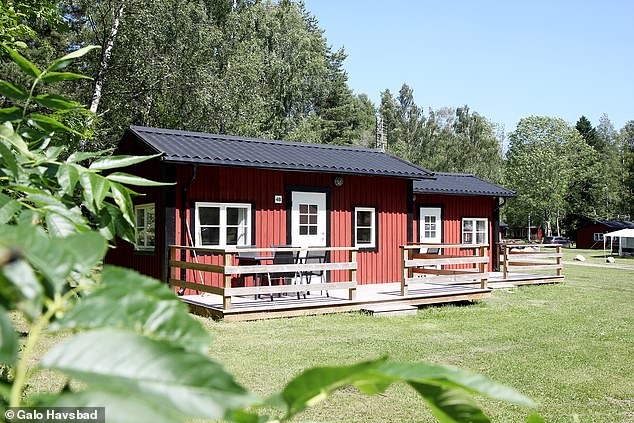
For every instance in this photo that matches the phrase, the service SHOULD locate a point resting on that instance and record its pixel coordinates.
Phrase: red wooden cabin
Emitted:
(244, 191)
(591, 235)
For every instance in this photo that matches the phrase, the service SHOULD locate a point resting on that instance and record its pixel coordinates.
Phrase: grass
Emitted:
(569, 347)
(595, 257)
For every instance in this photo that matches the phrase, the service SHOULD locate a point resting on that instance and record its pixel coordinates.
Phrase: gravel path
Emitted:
(608, 265)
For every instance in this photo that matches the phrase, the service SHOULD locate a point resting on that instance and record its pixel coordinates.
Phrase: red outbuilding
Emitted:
(237, 191)
(591, 235)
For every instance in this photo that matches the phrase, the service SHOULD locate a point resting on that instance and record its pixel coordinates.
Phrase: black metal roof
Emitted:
(460, 184)
(617, 224)
(224, 150)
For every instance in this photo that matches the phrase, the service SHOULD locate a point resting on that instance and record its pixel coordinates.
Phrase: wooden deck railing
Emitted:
(516, 257)
(431, 268)
(228, 270)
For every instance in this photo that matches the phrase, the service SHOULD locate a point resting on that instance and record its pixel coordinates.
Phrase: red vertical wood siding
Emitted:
(454, 208)
(259, 187)
(585, 236)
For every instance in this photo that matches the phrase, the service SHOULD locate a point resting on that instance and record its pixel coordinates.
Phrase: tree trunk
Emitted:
(105, 62)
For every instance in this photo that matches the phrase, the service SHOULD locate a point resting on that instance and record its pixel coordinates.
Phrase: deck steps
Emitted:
(390, 310)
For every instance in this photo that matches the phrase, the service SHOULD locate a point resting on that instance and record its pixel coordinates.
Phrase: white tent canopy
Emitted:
(626, 241)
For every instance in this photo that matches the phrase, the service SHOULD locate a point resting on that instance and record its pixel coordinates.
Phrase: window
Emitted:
(475, 231)
(365, 227)
(429, 226)
(144, 238)
(219, 224)
(598, 236)
(308, 219)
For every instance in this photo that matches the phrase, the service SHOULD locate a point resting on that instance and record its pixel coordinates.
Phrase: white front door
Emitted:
(430, 229)
(308, 219)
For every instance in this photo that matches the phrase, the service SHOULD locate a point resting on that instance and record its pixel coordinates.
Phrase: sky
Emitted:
(504, 59)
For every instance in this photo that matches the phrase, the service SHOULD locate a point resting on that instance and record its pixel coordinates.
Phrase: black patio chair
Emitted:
(312, 257)
(283, 257)
(247, 258)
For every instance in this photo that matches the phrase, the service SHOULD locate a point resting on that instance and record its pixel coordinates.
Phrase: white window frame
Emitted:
(598, 236)
(474, 231)
(222, 222)
(144, 229)
(372, 227)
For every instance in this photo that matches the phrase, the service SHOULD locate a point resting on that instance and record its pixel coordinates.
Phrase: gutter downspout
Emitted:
(496, 231)
(184, 204)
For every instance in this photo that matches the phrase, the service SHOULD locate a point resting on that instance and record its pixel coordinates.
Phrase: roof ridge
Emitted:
(206, 135)
(455, 174)
(429, 172)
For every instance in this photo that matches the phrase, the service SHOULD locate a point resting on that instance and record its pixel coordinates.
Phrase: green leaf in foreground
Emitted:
(56, 102)
(54, 258)
(121, 196)
(7, 89)
(126, 178)
(26, 66)
(111, 223)
(121, 407)
(48, 124)
(444, 388)
(114, 162)
(8, 134)
(8, 208)
(19, 275)
(189, 382)
(10, 162)
(62, 62)
(453, 377)
(127, 299)
(316, 384)
(51, 77)
(10, 114)
(8, 340)
(534, 418)
(87, 250)
(450, 405)
(67, 177)
(95, 189)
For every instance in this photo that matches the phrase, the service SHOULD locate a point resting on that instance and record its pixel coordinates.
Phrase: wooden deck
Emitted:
(497, 279)
(248, 308)
(427, 278)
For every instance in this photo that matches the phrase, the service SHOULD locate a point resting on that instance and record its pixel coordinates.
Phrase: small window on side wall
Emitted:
(475, 231)
(145, 227)
(598, 236)
(365, 227)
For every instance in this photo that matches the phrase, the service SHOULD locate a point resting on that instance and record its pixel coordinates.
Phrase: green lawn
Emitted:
(595, 256)
(569, 347)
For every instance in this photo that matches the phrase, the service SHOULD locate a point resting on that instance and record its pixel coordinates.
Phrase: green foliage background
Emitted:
(264, 69)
